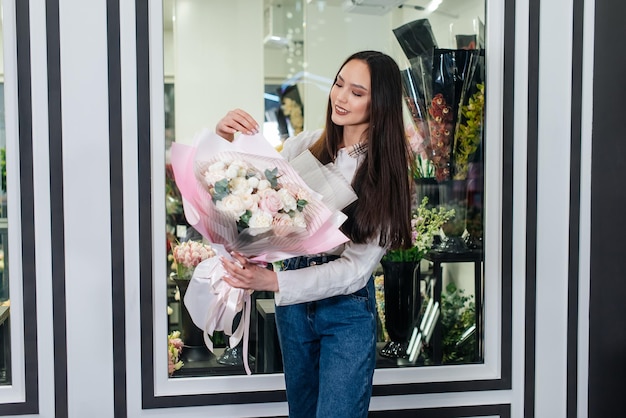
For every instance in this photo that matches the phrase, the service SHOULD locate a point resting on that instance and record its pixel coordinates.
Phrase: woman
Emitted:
(326, 310)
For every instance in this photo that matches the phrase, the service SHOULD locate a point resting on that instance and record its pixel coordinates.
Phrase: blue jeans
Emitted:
(329, 352)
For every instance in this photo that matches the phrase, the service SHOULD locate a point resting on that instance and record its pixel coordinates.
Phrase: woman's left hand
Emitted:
(242, 274)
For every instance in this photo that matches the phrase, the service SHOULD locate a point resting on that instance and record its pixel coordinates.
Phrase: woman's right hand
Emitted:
(236, 120)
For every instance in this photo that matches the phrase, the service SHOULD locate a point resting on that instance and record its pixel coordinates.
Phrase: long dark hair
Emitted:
(382, 181)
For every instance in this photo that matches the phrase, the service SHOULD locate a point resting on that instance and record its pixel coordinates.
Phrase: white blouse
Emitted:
(342, 276)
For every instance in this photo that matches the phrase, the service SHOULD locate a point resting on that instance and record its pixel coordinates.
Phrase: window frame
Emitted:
(493, 373)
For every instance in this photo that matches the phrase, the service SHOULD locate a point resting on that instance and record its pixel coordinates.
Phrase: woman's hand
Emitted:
(242, 274)
(236, 120)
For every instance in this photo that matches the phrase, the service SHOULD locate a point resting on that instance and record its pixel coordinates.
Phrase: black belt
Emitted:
(299, 262)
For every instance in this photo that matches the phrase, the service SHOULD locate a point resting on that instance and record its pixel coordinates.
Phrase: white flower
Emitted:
(298, 192)
(236, 169)
(232, 205)
(212, 177)
(218, 167)
(264, 184)
(303, 194)
(298, 220)
(250, 202)
(253, 182)
(260, 219)
(289, 202)
(239, 186)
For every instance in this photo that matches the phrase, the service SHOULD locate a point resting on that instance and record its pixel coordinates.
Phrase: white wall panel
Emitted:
(84, 82)
(555, 63)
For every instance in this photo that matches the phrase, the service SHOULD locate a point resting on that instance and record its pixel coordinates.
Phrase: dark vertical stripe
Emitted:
(116, 177)
(508, 122)
(531, 208)
(57, 221)
(574, 214)
(607, 333)
(27, 213)
(145, 199)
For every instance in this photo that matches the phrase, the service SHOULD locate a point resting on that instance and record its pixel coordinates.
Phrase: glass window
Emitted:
(5, 301)
(430, 300)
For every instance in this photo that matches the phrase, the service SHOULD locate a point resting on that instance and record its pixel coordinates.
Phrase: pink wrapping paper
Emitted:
(211, 302)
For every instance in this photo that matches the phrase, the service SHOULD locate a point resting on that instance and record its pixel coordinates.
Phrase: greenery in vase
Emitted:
(469, 132)
(425, 223)
(458, 314)
(455, 226)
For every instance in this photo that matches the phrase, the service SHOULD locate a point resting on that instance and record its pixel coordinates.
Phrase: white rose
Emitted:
(260, 219)
(232, 205)
(250, 202)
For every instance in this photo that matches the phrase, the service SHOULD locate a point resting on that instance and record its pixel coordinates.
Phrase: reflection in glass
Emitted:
(302, 43)
(5, 330)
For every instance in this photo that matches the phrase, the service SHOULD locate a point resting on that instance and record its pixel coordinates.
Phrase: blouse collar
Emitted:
(356, 150)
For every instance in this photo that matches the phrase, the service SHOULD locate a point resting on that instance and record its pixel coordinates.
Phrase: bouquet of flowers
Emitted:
(469, 132)
(423, 166)
(174, 349)
(425, 224)
(437, 85)
(243, 196)
(187, 255)
(254, 199)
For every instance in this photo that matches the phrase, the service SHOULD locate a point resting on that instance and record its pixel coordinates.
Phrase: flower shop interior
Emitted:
(504, 306)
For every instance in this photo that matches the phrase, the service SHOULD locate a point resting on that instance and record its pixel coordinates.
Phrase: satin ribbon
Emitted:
(213, 304)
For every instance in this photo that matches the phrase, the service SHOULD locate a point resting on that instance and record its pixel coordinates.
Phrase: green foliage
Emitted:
(272, 177)
(221, 190)
(458, 313)
(301, 203)
(3, 168)
(425, 224)
(469, 132)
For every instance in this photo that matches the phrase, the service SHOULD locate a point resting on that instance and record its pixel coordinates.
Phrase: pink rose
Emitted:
(282, 219)
(271, 203)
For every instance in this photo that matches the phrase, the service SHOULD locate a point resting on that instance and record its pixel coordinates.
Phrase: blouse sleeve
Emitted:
(343, 276)
(295, 145)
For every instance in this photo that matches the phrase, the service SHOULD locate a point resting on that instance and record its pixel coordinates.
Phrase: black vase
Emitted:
(192, 336)
(402, 304)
